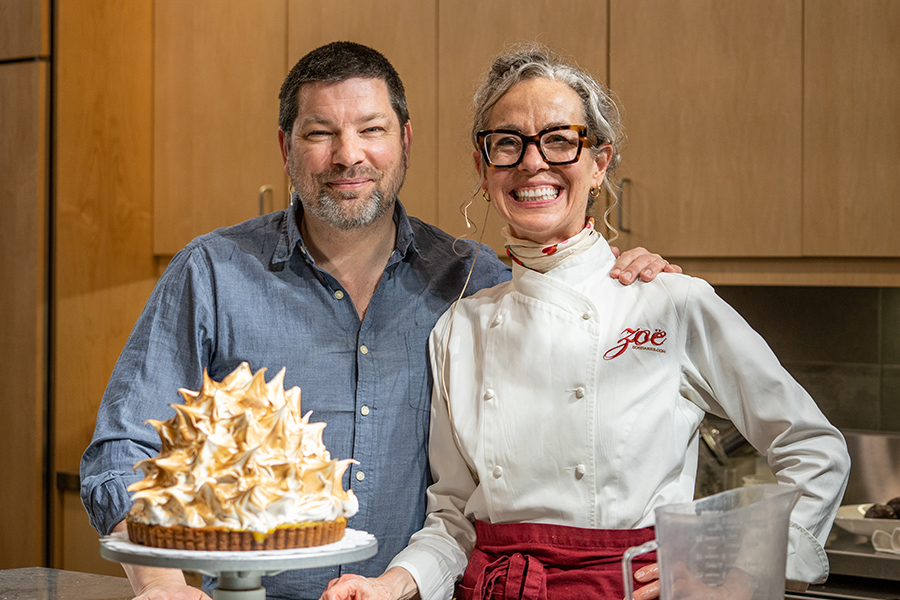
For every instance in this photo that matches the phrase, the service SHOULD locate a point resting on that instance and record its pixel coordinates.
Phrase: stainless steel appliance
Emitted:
(857, 571)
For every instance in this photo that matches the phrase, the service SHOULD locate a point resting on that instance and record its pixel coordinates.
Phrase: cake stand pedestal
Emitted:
(240, 573)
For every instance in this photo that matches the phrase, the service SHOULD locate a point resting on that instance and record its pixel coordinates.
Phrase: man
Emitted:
(342, 288)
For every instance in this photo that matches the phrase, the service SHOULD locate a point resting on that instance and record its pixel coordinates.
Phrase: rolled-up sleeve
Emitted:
(165, 351)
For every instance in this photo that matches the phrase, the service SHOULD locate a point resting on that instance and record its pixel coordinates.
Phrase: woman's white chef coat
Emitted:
(576, 400)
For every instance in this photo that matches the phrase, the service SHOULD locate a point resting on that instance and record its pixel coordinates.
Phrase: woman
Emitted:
(567, 406)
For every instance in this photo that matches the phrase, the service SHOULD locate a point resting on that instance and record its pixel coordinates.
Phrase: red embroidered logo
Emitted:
(639, 339)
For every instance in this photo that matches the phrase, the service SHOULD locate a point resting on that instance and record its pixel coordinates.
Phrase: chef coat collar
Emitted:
(559, 286)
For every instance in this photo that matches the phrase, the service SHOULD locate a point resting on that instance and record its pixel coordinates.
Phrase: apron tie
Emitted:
(517, 575)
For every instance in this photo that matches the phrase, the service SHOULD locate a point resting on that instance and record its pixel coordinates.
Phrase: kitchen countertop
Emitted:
(53, 584)
(854, 555)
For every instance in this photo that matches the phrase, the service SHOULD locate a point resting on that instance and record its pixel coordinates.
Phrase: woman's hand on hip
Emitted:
(650, 576)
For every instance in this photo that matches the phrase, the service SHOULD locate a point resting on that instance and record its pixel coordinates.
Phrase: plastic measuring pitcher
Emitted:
(729, 546)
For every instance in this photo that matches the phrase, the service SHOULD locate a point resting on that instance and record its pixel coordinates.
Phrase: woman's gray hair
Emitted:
(525, 61)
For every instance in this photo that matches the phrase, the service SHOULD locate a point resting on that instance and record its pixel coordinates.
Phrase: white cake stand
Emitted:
(240, 573)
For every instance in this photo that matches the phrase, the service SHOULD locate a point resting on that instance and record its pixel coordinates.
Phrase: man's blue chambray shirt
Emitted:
(252, 293)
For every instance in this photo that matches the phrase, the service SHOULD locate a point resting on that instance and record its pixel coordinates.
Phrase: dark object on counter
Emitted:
(895, 504)
(880, 511)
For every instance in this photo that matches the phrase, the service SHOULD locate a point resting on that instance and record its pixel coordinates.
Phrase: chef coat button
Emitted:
(586, 316)
(339, 294)
(364, 410)
(579, 471)
(360, 475)
(363, 349)
(498, 472)
(489, 394)
(497, 320)
(579, 392)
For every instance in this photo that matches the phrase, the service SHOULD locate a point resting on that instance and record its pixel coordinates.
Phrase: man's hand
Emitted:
(156, 583)
(175, 592)
(639, 262)
(650, 576)
(395, 584)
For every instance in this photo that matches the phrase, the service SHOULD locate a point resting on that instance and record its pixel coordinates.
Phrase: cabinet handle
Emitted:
(620, 200)
(266, 189)
(68, 482)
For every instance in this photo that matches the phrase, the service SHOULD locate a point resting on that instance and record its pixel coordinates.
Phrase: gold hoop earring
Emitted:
(485, 195)
(595, 192)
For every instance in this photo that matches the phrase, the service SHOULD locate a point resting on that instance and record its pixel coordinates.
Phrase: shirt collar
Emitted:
(406, 238)
(290, 239)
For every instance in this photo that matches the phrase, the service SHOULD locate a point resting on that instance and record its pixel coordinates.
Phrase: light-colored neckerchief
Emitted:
(542, 258)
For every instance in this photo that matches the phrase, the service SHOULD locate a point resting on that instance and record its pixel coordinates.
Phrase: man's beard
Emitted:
(346, 210)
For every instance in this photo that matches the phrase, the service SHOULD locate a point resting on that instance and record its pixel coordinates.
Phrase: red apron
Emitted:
(534, 561)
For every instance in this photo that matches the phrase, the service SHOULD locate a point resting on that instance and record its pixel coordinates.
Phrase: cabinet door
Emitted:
(103, 265)
(23, 201)
(712, 101)
(851, 130)
(472, 33)
(405, 32)
(218, 66)
(24, 28)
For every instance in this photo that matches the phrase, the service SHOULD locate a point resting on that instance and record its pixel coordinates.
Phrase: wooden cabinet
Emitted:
(471, 34)
(104, 267)
(851, 128)
(23, 310)
(218, 67)
(24, 186)
(712, 99)
(24, 29)
(406, 33)
(733, 112)
(763, 137)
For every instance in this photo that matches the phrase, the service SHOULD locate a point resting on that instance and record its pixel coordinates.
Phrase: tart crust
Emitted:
(179, 537)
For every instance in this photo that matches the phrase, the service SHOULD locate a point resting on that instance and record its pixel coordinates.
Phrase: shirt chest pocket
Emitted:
(419, 393)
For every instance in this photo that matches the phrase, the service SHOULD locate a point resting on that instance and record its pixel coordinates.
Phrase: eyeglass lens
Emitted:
(559, 146)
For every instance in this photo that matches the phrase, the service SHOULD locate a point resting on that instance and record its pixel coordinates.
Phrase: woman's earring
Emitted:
(485, 195)
(595, 192)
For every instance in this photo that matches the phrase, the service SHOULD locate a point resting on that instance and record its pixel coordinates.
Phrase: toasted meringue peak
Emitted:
(237, 454)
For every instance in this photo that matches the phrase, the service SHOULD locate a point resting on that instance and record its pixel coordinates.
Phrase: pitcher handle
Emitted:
(627, 575)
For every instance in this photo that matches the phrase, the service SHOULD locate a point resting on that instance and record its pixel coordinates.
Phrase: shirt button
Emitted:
(339, 294)
(364, 410)
(489, 394)
(497, 320)
(579, 392)
(579, 471)
(498, 472)
(360, 475)
(363, 349)
(586, 316)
